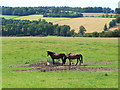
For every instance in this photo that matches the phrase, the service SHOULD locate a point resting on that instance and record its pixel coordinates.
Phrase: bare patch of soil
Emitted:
(43, 67)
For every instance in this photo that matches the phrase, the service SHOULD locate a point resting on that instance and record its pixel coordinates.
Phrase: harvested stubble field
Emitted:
(92, 24)
(24, 62)
(96, 14)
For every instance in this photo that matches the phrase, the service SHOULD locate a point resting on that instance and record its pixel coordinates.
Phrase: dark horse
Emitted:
(57, 56)
(74, 56)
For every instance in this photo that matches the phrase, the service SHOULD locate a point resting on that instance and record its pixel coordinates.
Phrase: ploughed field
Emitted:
(24, 62)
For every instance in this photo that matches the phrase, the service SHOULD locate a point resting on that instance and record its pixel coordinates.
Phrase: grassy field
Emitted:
(16, 51)
(37, 17)
(8, 16)
(91, 24)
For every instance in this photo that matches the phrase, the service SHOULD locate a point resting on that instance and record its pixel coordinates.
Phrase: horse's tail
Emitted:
(81, 58)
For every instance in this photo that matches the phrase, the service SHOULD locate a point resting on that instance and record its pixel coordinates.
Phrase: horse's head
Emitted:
(49, 53)
(68, 54)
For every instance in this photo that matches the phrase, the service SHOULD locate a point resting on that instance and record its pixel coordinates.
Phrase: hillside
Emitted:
(91, 24)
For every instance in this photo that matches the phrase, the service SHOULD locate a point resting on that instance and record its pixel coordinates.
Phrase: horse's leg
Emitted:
(80, 61)
(53, 61)
(77, 62)
(62, 61)
(70, 62)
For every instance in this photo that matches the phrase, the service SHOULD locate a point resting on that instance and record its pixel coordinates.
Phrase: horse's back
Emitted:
(77, 54)
(73, 56)
(59, 54)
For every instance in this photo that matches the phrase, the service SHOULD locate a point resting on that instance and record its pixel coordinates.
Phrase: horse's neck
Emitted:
(52, 54)
(69, 53)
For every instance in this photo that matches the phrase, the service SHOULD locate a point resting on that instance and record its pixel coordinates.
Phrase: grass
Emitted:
(16, 51)
(8, 16)
(91, 24)
(110, 65)
(60, 79)
(37, 17)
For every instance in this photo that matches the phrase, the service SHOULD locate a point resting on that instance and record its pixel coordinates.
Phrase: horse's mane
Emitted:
(69, 53)
(51, 52)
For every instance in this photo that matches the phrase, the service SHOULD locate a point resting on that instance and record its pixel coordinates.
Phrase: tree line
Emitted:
(112, 23)
(23, 11)
(34, 28)
(108, 16)
(117, 10)
(115, 33)
(63, 14)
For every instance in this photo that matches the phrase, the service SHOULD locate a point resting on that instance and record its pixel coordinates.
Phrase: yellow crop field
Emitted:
(91, 24)
(37, 17)
(96, 14)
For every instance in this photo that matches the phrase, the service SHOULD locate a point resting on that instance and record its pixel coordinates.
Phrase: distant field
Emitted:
(8, 16)
(91, 24)
(96, 14)
(37, 17)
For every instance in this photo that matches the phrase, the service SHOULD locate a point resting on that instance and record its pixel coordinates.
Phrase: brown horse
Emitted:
(74, 56)
(57, 56)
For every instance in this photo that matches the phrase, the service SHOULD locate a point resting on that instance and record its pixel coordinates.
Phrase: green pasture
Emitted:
(33, 17)
(37, 17)
(8, 16)
(22, 51)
